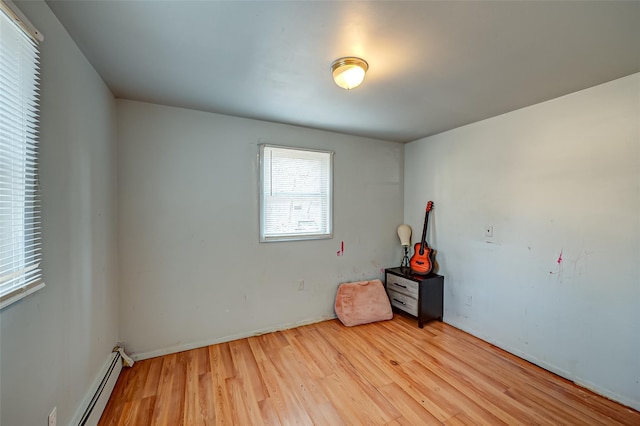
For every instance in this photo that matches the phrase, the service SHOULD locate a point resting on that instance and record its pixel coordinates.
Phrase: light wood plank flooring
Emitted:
(387, 373)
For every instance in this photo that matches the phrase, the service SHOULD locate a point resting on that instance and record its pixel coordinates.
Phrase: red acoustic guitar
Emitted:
(421, 262)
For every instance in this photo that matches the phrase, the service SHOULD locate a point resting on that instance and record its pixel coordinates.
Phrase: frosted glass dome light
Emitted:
(349, 72)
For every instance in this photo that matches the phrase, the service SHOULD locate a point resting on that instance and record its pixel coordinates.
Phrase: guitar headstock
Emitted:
(429, 206)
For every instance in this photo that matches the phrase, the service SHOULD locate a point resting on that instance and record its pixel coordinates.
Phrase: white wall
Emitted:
(54, 342)
(561, 178)
(191, 269)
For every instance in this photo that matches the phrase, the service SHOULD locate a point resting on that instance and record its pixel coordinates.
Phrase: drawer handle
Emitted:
(400, 301)
(400, 285)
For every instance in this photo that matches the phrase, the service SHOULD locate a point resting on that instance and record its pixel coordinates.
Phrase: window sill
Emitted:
(19, 294)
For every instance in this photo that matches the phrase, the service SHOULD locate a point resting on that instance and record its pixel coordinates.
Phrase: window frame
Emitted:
(327, 231)
(20, 254)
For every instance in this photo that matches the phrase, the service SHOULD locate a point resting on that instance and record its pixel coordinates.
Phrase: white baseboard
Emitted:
(199, 344)
(552, 368)
(98, 394)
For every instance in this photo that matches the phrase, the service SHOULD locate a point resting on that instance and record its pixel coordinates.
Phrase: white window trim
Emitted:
(294, 237)
(19, 18)
(20, 276)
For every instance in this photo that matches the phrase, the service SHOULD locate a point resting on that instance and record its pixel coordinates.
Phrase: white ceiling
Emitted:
(433, 66)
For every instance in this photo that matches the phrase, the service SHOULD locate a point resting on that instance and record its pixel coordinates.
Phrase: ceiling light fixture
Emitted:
(349, 72)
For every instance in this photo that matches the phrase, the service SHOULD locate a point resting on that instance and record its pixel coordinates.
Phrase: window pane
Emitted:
(19, 199)
(295, 194)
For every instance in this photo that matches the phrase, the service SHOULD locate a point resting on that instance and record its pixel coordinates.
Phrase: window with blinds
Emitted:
(20, 272)
(295, 193)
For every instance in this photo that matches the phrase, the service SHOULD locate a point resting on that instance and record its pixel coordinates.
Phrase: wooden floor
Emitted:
(388, 373)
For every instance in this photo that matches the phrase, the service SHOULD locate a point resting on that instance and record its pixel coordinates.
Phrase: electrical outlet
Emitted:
(300, 284)
(488, 231)
(468, 301)
(53, 416)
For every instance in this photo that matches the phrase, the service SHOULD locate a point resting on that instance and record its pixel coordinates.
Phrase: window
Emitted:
(295, 193)
(20, 272)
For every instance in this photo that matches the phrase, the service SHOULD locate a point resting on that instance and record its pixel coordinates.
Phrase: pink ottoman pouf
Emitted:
(362, 302)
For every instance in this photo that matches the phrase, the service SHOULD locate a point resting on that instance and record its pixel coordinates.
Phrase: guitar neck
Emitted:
(423, 242)
(424, 230)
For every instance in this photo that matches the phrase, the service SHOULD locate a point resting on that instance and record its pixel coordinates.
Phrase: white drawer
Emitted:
(404, 302)
(402, 285)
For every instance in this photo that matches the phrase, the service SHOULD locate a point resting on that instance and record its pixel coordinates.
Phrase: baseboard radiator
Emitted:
(102, 388)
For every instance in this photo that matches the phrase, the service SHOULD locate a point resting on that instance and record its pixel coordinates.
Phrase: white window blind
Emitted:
(295, 193)
(20, 272)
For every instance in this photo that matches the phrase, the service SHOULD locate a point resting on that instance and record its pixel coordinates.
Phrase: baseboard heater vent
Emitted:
(102, 389)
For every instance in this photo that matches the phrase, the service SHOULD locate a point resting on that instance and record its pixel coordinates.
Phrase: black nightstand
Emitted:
(418, 295)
